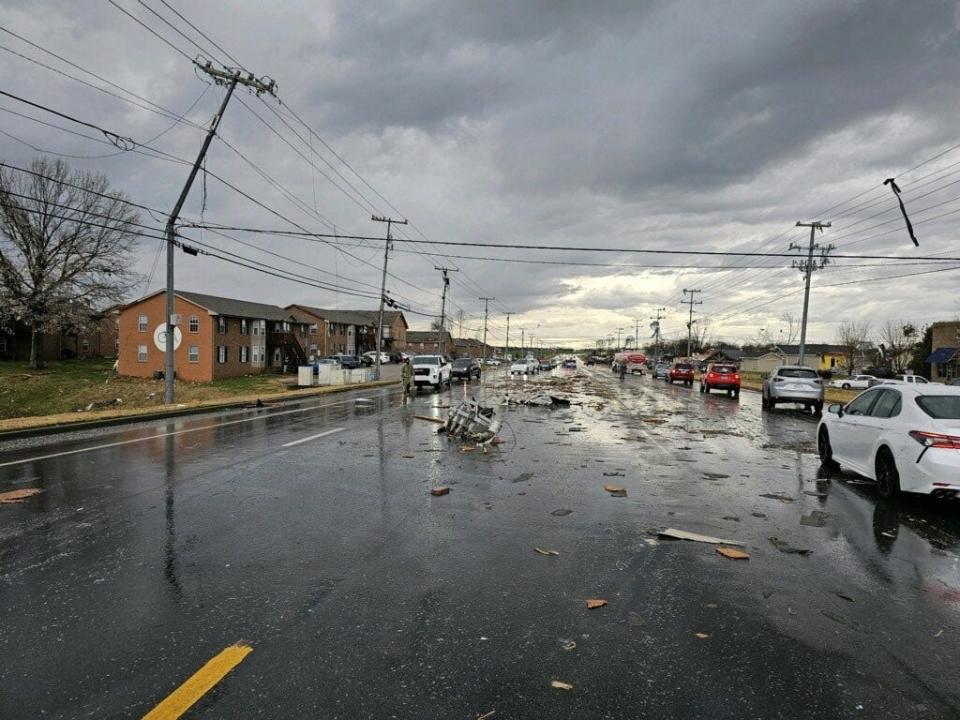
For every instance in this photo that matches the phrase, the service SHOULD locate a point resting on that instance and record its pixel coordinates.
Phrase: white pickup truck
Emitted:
(431, 370)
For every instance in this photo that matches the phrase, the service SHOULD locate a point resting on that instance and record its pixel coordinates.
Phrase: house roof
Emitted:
(234, 307)
(809, 348)
(731, 353)
(425, 336)
(943, 355)
(389, 316)
(344, 317)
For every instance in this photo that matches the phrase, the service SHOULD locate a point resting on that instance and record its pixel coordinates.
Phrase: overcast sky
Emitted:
(675, 125)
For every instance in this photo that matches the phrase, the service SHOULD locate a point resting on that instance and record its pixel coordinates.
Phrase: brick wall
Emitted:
(131, 337)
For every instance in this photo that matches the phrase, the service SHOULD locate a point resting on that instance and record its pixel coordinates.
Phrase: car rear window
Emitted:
(797, 373)
(683, 366)
(724, 369)
(941, 407)
(463, 362)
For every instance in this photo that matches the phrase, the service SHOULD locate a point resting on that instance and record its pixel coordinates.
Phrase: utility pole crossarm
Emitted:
(383, 282)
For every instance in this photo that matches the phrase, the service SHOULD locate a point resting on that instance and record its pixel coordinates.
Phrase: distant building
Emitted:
(424, 342)
(818, 356)
(470, 347)
(97, 338)
(944, 361)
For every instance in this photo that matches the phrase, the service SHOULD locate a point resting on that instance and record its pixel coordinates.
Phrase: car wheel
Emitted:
(736, 393)
(764, 405)
(703, 387)
(888, 479)
(818, 409)
(845, 386)
(771, 404)
(824, 449)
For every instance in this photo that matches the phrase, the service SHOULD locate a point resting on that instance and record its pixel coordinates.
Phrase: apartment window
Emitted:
(256, 327)
(194, 324)
(193, 354)
(141, 353)
(244, 353)
(3, 344)
(313, 349)
(85, 345)
(142, 323)
(313, 328)
(243, 326)
(221, 324)
(222, 354)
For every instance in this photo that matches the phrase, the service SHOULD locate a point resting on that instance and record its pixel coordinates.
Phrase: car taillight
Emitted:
(936, 440)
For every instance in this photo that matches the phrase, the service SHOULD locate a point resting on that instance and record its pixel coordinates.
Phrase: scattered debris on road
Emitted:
(441, 490)
(702, 636)
(732, 553)
(472, 421)
(16, 496)
(843, 596)
(594, 603)
(785, 547)
(438, 421)
(522, 477)
(561, 685)
(695, 537)
(778, 496)
(551, 553)
(568, 645)
(817, 518)
(561, 512)
(616, 490)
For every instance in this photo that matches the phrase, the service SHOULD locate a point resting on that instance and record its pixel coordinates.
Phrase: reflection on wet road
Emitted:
(309, 532)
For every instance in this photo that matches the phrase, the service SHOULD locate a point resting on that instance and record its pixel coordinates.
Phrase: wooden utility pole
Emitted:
(807, 267)
(506, 350)
(690, 321)
(443, 304)
(229, 77)
(383, 282)
(486, 308)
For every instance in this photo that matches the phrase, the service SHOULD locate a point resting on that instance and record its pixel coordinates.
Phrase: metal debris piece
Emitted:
(817, 518)
(785, 547)
(777, 496)
(732, 553)
(843, 596)
(441, 490)
(561, 685)
(568, 645)
(522, 477)
(550, 553)
(616, 490)
(15, 496)
(695, 537)
(438, 421)
(594, 603)
(561, 512)
(472, 421)
(702, 636)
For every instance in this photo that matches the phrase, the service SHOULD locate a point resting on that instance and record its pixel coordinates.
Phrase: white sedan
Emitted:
(905, 437)
(855, 382)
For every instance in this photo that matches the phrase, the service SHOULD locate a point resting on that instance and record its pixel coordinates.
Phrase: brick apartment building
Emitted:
(945, 359)
(424, 342)
(218, 337)
(348, 332)
(97, 339)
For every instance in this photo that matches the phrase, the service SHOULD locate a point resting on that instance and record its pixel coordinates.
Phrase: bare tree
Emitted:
(852, 338)
(66, 243)
(898, 339)
(792, 328)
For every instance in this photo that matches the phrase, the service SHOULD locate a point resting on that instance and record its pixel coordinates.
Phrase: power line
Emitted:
(149, 29)
(201, 33)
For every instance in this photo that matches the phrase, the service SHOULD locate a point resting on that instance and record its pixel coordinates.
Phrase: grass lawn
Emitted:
(73, 385)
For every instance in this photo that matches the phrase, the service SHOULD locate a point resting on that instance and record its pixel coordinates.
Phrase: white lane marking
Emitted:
(313, 437)
(169, 434)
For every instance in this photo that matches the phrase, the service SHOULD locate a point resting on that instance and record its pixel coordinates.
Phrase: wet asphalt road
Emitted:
(364, 597)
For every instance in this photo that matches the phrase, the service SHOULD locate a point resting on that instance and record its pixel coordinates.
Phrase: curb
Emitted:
(41, 430)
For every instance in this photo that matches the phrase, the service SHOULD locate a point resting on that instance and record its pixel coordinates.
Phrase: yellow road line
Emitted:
(180, 700)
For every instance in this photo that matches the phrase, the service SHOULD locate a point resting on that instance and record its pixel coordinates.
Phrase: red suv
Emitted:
(719, 376)
(681, 372)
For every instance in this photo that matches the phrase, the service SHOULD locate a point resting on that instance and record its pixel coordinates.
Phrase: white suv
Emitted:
(431, 370)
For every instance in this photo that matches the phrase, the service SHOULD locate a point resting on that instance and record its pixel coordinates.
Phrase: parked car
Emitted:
(372, 356)
(908, 379)
(793, 384)
(348, 362)
(723, 377)
(681, 372)
(465, 368)
(660, 371)
(570, 364)
(905, 437)
(855, 382)
(431, 370)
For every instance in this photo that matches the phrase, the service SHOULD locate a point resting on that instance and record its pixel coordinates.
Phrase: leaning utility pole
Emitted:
(656, 331)
(383, 283)
(443, 305)
(619, 347)
(807, 267)
(230, 77)
(486, 307)
(691, 302)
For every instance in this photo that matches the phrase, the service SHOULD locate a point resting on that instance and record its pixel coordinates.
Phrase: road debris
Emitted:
(695, 537)
(486, 715)
(16, 496)
(594, 603)
(616, 490)
(732, 553)
(817, 518)
(551, 553)
(615, 473)
(785, 547)
(778, 496)
(522, 477)
(702, 636)
(814, 493)
(568, 645)
(561, 512)
(938, 633)
(409, 457)
(843, 596)
(438, 421)
(561, 685)
(472, 421)
(441, 490)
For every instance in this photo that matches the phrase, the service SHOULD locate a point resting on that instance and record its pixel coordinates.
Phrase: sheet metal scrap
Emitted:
(471, 421)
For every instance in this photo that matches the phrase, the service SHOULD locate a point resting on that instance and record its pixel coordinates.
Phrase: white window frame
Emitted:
(244, 354)
(221, 325)
(313, 328)
(244, 326)
(142, 322)
(142, 353)
(194, 324)
(85, 345)
(193, 354)
(222, 354)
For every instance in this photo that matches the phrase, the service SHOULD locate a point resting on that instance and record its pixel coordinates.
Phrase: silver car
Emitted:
(793, 384)
(661, 371)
